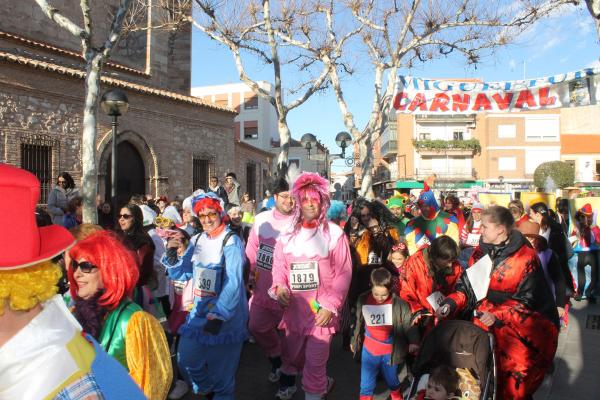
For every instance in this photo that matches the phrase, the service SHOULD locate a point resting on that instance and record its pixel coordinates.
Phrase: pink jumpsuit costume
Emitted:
(265, 313)
(305, 345)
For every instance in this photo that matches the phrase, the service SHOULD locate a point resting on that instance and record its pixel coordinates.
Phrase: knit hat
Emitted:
(187, 202)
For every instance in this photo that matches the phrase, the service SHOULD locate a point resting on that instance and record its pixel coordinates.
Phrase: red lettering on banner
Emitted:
(482, 101)
(544, 99)
(440, 102)
(460, 103)
(503, 102)
(398, 101)
(418, 101)
(525, 96)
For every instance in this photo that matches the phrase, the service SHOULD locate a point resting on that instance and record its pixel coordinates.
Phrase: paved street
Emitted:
(575, 376)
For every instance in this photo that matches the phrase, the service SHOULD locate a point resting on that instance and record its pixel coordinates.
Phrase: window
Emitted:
(251, 180)
(250, 132)
(544, 128)
(251, 103)
(507, 163)
(458, 135)
(425, 136)
(201, 170)
(507, 131)
(533, 158)
(36, 157)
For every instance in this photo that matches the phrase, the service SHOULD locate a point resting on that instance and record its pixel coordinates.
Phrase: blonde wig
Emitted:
(24, 288)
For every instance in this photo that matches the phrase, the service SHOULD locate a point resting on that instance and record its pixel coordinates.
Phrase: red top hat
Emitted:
(22, 243)
(586, 209)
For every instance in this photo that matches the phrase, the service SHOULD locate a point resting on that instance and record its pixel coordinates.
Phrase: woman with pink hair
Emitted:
(312, 269)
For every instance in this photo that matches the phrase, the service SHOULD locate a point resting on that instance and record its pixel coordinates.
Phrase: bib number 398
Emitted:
(304, 276)
(205, 285)
(377, 315)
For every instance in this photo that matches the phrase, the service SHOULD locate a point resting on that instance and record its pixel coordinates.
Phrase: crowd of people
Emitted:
(199, 277)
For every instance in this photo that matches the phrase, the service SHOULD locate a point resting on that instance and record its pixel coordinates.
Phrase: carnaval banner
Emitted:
(430, 96)
(494, 199)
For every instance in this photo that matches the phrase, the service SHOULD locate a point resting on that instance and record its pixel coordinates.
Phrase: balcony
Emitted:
(445, 174)
(468, 147)
(389, 148)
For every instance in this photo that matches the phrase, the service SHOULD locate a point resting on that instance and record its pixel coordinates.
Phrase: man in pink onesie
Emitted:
(312, 270)
(265, 312)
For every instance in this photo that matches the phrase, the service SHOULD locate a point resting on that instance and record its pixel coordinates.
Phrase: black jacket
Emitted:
(404, 332)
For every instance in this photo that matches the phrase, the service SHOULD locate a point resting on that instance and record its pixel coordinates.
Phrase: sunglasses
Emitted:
(84, 266)
(125, 216)
(210, 215)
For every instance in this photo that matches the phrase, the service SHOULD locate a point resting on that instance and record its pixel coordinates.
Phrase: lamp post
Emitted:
(114, 103)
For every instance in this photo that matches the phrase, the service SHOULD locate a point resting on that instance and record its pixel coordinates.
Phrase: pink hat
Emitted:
(22, 242)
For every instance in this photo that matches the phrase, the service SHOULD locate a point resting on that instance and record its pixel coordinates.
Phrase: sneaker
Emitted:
(286, 393)
(179, 390)
(274, 375)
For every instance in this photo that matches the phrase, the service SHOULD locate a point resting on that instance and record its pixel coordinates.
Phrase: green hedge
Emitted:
(561, 174)
(439, 145)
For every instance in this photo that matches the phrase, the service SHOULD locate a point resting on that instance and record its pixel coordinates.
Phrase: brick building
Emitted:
(169, 142)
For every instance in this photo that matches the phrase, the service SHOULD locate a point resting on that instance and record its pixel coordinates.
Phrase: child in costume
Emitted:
(422, 230)
(102, 276)
(265, 312)
(212, 337)
(383, 335)
(442, 385)
(311, 265)
(43, 353)
(396, 205)
(397, 258)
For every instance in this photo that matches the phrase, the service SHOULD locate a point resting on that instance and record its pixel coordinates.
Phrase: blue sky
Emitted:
(565, 42)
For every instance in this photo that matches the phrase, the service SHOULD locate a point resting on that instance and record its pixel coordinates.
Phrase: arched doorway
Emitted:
(131, 176)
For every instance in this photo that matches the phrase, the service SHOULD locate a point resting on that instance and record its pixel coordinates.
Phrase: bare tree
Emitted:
(250, 29)
(594, 9)
(95, 53)
(401, 34)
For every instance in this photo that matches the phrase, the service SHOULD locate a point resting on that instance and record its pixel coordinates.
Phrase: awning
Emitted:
(409, 185)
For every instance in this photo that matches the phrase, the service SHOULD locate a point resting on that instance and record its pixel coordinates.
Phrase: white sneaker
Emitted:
(275, 375)
(286, 393)
(179, 390)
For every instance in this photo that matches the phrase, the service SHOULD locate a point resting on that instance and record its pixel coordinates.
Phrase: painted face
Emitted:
(284, 203)
(435, 391)
(125, 219)
(209, 218)
(365, 216)
(88, 278)
(398, 259)
(380, 293)
(476, 215)
(427, 211)
(311, 208)
(397, 211)
(491, 232)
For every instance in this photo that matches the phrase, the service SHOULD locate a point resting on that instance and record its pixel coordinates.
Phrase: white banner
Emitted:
(430, 96)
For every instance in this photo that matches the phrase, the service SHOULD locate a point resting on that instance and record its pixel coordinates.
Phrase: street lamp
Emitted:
(343, 139)
(308, 141)
(114, 103)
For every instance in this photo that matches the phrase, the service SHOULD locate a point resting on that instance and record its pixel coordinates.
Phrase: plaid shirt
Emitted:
(85, 388)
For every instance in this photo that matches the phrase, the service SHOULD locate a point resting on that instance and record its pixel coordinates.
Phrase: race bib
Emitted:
(264, 257)
(206, 281)
(435, 299)
(304, 276)
(374, 258)
(377, 315)
(473, 239)
(424, 241)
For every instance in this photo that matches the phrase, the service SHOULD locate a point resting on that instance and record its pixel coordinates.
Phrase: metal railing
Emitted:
(442, 174)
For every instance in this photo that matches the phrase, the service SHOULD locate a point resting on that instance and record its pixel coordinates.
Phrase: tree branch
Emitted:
(55, 15)
(115, 28)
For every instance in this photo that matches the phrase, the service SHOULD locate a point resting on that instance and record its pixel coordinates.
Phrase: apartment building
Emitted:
(580, 141)
(256, 124)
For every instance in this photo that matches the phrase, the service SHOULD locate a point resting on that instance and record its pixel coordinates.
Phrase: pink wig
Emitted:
(312, 185)
(117, 265)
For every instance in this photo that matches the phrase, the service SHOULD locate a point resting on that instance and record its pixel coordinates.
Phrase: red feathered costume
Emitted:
(526, 328)
(417, 283)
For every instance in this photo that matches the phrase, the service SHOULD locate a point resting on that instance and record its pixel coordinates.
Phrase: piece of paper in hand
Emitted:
(479, 276)
(435, 299)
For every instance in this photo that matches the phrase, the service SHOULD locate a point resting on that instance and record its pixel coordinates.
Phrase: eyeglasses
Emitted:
(125, 216)
(210, 215)
(84, 266)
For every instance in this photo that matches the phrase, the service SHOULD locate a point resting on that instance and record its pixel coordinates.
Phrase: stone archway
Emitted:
(135, 157)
